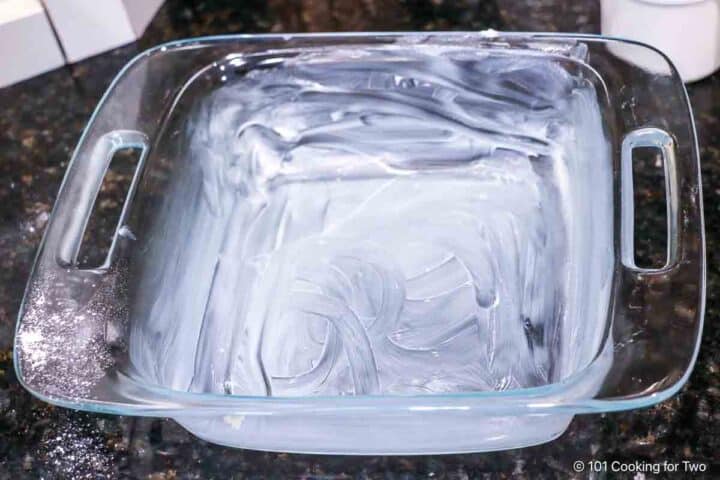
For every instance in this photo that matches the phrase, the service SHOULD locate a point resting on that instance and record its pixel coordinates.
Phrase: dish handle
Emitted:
(93, 170)
(657, 313)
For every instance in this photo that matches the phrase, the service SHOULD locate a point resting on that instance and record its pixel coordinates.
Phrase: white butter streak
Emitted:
(396, 219)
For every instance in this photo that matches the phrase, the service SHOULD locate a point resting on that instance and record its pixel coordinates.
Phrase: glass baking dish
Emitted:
(474, 188)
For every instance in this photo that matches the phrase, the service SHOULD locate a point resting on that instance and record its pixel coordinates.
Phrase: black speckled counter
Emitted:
(40, 123)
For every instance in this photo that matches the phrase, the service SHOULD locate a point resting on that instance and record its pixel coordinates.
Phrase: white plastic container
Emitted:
(687, 31)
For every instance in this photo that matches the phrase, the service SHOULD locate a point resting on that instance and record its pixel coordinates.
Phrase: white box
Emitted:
(27, 44)
(89, 27)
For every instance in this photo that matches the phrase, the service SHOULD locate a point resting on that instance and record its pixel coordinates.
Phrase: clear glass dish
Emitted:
(114, 339)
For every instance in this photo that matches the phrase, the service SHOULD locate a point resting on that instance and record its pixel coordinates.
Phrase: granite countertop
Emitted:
(40, 123)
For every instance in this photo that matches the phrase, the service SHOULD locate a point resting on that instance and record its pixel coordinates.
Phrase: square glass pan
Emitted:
(74, 327)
